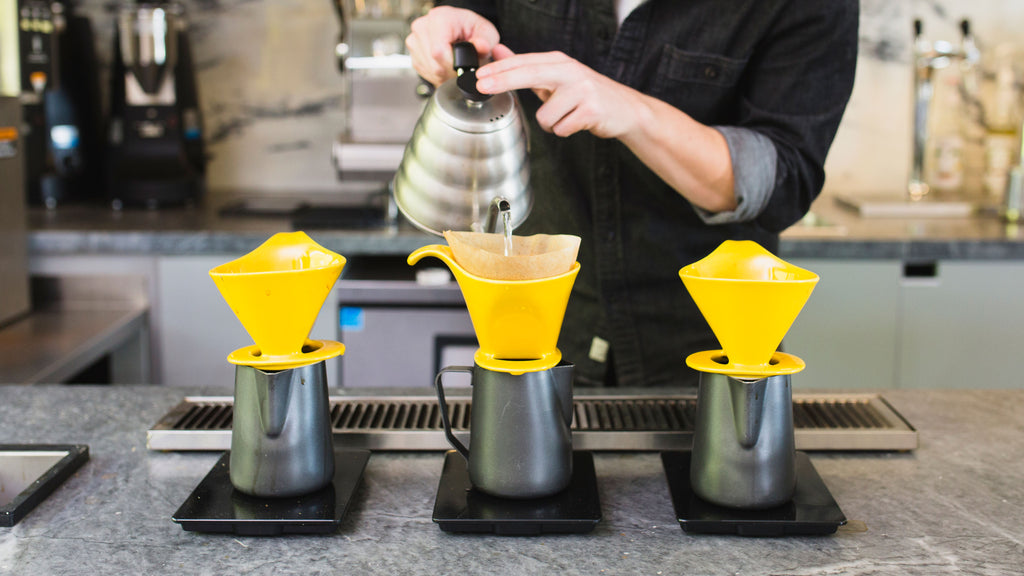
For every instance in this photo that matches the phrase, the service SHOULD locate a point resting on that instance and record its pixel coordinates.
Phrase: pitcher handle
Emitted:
(439, 385)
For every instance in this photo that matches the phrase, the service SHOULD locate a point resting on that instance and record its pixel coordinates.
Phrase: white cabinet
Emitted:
(847, 331)
(964, 327)
(884, 324)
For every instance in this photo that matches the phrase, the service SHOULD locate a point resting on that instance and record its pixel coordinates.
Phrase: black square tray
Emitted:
(54, 463)
(812, 511)
(461, 508)
(215, 505)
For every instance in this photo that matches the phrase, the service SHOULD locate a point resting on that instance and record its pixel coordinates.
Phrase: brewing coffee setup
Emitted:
(519, 474)
(283, 473)
(465, 169)
(744, 475)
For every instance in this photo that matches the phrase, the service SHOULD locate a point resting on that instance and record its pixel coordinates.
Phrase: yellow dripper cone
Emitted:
(517, 322)
(276, 291)
(750, 298)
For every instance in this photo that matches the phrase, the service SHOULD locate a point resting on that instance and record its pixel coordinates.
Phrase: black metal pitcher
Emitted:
(520, 430)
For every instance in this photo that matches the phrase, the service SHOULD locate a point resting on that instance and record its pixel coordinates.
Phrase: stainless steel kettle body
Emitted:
(520, 430)
(281, 440)
(466, 150)
(744, 454)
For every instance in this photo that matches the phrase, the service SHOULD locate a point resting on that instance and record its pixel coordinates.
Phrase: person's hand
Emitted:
(575, 97)
(432, 36)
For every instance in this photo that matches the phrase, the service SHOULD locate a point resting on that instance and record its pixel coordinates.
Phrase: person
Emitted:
(659, 129)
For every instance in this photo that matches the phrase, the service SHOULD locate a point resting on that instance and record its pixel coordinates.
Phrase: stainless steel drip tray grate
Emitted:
(603, 423)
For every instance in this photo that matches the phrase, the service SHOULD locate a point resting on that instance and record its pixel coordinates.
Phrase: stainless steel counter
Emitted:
(75, 323)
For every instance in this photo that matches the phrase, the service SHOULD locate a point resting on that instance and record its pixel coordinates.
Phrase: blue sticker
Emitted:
(351, 319)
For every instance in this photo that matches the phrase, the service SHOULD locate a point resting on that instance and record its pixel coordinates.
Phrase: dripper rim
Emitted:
(682, 274)
(735, 248)
(449, 259)
(704, 361)
(336, 262)
(575, 269)
(325, 350)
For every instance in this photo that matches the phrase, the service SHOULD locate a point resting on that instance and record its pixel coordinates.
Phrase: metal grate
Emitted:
(635, 415)
(629, 423)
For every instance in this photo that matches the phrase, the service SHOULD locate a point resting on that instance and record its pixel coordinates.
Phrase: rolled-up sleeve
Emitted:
(753, 170)
(796, 90)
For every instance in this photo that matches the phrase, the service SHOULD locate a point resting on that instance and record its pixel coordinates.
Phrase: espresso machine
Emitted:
(744, 475)
(155, 146)
(49, 62)
(283, 473)
(384, 93)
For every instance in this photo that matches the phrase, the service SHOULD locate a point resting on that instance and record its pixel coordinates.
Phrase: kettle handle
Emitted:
(464, 56)
(465, 62)
(445, 421)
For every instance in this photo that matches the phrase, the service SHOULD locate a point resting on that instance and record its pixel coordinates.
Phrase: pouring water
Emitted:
(502, 206)
(506, 220)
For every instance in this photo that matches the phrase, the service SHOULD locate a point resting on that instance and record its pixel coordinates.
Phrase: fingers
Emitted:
(501, 52)
(544, 71)
(431, 38)
(536, 78)
(554, 110)
(511, 61)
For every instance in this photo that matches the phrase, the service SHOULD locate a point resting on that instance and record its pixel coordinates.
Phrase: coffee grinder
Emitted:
(744, 475)
(283, 473)
(155, 152)
(48, 60)
(519, 474)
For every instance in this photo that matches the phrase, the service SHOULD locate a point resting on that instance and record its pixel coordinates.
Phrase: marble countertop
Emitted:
(831, 232)
(952, 506)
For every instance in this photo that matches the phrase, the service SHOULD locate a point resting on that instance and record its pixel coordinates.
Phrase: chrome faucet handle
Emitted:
(928, 57)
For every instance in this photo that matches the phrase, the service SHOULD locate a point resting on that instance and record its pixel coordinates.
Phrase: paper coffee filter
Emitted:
(533, 257)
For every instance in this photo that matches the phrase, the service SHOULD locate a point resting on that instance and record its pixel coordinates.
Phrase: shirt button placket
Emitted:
(612, 264)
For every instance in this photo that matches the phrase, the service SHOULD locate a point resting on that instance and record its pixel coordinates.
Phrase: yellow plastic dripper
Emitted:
(517, 322)
(750, 298)
(276, 291)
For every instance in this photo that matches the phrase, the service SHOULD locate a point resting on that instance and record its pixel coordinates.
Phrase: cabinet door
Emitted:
(846, 332)
(962, 326)
(198, 330)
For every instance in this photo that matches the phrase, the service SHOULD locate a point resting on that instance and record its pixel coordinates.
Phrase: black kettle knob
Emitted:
(465, 62)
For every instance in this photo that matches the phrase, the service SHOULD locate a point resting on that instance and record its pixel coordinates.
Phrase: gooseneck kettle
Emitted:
(467, 150)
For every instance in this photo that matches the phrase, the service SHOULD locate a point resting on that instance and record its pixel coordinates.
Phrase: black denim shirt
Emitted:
(775, 72)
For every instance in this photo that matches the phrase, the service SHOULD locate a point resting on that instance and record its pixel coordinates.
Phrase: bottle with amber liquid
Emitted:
(1002, 125)
(944, 149)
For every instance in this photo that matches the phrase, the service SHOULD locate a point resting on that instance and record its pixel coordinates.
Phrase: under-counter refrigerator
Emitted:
(14, 288)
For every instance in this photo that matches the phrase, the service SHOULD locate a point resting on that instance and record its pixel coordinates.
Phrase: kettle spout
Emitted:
(499, 207)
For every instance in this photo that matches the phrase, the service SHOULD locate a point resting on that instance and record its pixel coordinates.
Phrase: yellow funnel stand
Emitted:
(750, 298)
(516, 321)
(276, 292)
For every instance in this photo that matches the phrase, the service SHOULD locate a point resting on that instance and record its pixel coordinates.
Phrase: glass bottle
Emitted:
(944, 150)
(1002, 122)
